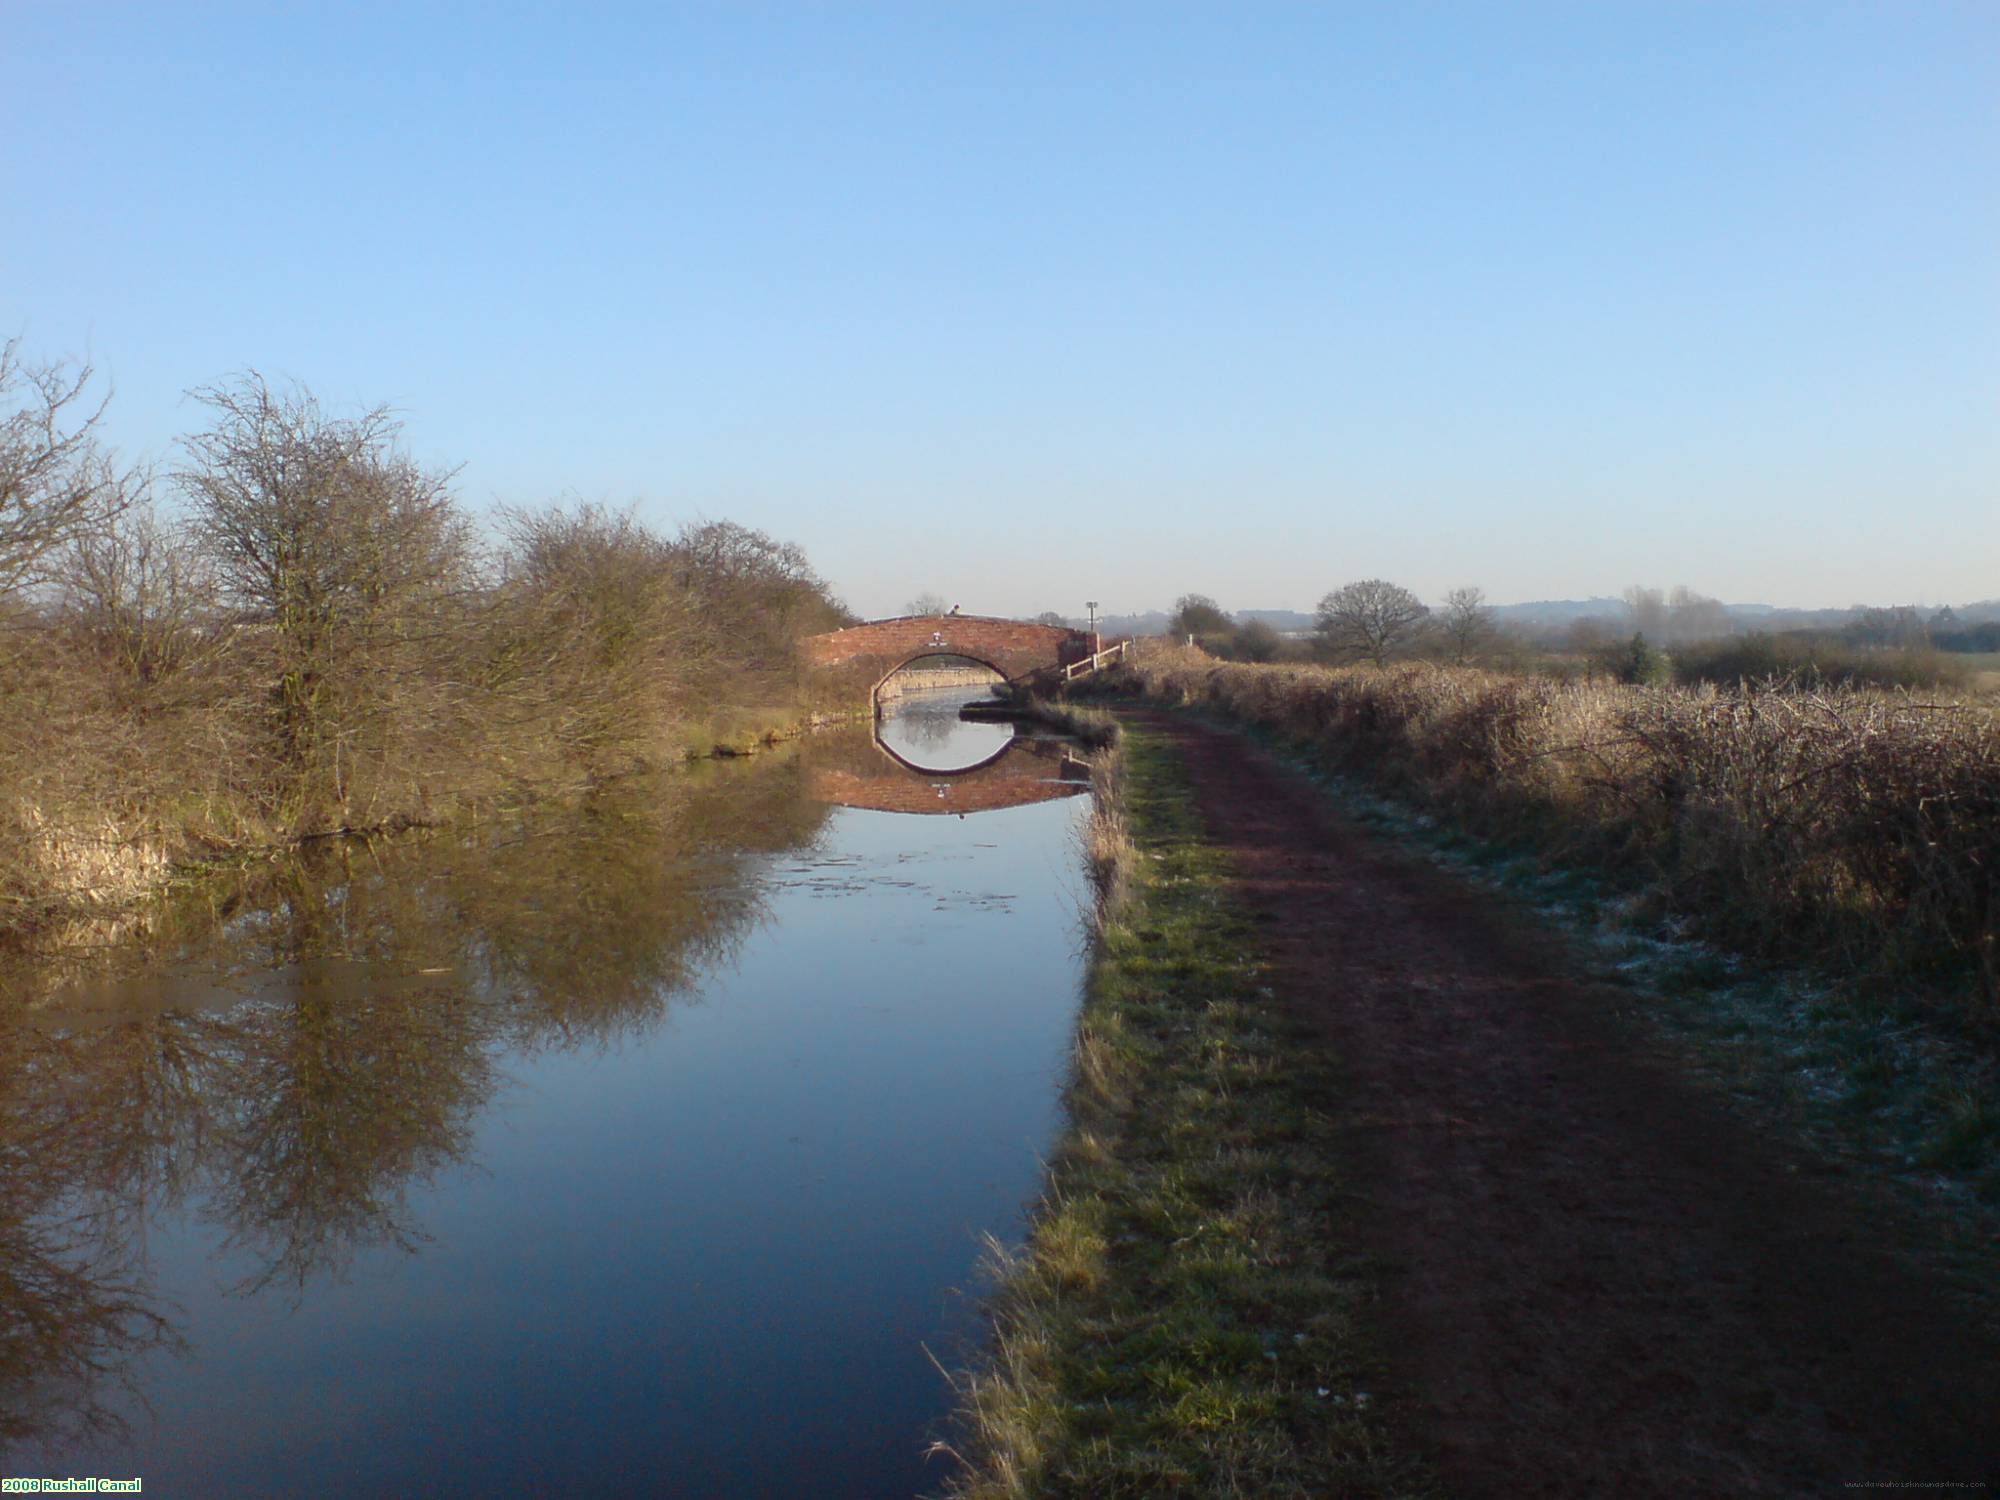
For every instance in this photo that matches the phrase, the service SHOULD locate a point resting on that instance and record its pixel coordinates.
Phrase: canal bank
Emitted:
(1185, 1317)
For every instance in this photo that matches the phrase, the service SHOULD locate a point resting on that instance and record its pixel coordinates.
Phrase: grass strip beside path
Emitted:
(1183, 1318)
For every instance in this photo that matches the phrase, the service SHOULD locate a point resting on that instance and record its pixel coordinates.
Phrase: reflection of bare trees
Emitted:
(74, 1307)
(383, 985)
(927, 723)
(336, 1106)
(592, 967)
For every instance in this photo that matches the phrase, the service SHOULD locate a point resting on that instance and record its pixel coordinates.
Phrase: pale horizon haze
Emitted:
(1031, 304)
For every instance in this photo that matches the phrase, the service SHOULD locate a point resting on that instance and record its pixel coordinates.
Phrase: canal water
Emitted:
(647, 1150)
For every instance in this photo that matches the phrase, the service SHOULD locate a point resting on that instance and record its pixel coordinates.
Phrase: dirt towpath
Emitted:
(1602, 1281)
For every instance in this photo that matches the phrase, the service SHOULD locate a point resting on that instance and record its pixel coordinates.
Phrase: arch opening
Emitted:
(922, 730)
(901, 672)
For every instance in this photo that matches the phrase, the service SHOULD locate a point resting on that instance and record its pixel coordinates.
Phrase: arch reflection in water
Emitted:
(924, 731)
(925, 759)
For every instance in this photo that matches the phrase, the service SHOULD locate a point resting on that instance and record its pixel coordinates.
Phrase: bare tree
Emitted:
(56, 481)
(1257, 640)
(1695, 617)
(758, 595)
(1649, 611)
(1677, 617)
(140, 594)
(599, 638)
(1199, 616)
(1465, 623)
(927, 604)
(1051, 618)
(326, 535)
(1369, 619)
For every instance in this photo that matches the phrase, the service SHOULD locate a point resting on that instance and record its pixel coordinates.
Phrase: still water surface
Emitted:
(647, 1149)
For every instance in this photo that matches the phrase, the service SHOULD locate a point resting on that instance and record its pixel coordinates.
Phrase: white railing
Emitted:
(1101, 659)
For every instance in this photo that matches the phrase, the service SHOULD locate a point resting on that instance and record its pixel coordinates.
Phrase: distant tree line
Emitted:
(1906, 626)
(1662, 636)
(1368, 620)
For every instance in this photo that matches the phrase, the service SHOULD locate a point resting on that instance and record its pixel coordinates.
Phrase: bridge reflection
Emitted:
(868, 774)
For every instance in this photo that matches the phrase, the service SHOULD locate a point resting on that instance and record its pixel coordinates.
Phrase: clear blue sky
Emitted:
(1033, 304)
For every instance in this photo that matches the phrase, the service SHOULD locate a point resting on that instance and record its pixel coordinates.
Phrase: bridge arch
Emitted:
(875, 691)
(862, 657)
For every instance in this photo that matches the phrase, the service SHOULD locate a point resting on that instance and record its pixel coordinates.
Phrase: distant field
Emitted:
(1985, 666)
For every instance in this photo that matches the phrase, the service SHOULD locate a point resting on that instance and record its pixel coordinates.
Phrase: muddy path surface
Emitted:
(1602, 1280)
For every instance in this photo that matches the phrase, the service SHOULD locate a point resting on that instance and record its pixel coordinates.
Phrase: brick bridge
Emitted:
(864, 655)
(874, 777)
